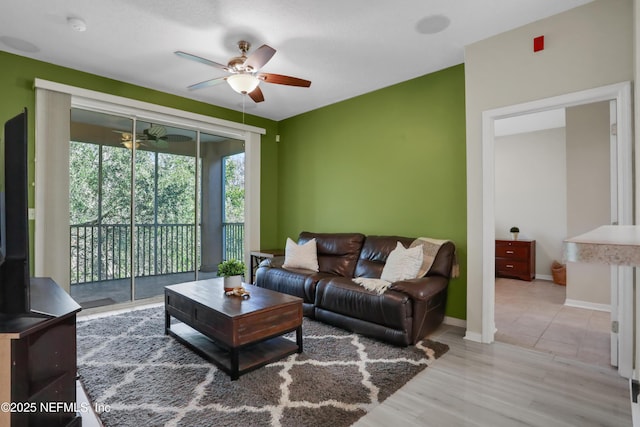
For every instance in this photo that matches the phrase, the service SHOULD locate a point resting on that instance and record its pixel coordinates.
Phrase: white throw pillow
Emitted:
(301, 256)
(402, 264)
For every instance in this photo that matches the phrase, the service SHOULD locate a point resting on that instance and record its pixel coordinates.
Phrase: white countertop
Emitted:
(609, 244)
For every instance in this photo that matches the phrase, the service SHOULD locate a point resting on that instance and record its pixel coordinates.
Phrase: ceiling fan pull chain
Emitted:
(244, 97)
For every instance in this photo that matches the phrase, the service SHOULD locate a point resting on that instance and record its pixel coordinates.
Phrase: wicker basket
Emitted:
(559, 273)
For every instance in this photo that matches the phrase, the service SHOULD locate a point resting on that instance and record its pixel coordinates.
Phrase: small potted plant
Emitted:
(514, 232)
(232, 270)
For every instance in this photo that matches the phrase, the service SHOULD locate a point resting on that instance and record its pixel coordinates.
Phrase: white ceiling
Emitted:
(345, 47)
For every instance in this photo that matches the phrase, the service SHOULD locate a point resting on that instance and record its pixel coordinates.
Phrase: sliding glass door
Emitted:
(165, 231)
(100, 209)
(222, 194)
(147, 206)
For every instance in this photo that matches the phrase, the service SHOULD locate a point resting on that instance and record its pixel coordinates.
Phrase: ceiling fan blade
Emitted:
(283, 80)
(256, 94)
(259, 57)
(160, 143)
(173, 137)
(207, 83)
(200, 59)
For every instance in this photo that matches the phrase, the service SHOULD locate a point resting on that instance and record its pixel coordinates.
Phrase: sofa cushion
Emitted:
(374, 254)
(337, 252)
(401, 337)
(402, 264)
(341, 295)
(297, 282)
(303, 256)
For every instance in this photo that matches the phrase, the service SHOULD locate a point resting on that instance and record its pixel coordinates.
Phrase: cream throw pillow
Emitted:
(301, 256)
(402, 264)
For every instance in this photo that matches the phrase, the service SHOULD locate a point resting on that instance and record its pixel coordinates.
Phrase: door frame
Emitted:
(621, 92)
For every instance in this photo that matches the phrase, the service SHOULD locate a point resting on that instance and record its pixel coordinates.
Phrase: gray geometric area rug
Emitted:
(145, 378)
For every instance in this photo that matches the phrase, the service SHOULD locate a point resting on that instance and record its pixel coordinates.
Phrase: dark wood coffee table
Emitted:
(238, 335)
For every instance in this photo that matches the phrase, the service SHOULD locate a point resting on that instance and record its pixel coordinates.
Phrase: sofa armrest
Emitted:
(429, 296)
(421, 289)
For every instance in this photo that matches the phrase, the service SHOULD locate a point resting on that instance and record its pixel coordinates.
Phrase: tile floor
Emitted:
(533, 315)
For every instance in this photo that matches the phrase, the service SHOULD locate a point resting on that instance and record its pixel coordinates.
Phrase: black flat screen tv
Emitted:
(14, 220)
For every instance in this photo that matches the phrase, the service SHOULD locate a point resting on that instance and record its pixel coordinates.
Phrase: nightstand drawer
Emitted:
(512, 252)
(511, 267)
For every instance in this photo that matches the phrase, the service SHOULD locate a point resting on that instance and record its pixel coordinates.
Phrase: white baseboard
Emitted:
(453, 321)
(588, 305)
(473, 336)
(544, 277)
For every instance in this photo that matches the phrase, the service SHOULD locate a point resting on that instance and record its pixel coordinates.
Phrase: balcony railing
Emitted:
(103, 252)
(233, 240)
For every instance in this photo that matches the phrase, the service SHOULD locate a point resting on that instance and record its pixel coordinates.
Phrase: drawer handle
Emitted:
(509, 252)
(509, 266)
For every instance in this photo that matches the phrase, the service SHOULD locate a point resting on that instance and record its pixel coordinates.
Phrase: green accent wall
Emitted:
(387, 162)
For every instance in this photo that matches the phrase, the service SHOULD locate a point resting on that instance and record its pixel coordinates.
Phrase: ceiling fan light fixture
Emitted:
(127, 141)
(129, 144)
(243, 83)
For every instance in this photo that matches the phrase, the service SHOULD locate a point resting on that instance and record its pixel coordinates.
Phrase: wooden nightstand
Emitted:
(516, 259)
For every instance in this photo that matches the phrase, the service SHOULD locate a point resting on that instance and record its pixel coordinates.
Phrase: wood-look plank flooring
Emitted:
(502, 384)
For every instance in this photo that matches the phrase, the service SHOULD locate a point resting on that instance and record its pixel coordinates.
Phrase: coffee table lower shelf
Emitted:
(250, 357)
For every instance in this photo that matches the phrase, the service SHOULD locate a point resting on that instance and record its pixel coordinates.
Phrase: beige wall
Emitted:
(586, 47)
(588, 197)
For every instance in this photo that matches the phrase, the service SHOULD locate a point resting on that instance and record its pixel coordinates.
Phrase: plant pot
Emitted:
(232, 282)
(515, 236)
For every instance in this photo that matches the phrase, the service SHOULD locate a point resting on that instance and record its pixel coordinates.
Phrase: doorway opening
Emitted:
(621, 93)
(554, 179)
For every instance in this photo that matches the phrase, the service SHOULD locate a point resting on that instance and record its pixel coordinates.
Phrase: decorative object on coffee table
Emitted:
(238, 292)
(232, 270)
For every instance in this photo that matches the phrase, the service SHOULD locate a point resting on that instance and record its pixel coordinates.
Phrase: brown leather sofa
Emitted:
(403, 315)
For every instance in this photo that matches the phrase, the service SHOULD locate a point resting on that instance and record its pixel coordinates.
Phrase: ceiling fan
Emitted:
(155, 135)
(245, 78)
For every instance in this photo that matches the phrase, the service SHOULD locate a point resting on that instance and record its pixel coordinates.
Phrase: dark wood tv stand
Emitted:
(38, 365)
